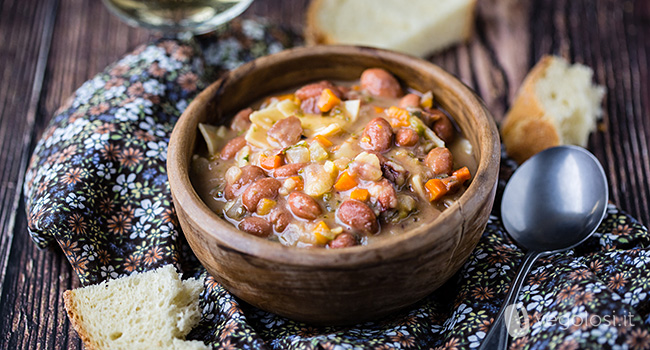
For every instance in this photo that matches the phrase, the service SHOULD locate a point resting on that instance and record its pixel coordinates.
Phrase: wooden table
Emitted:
(49, 48)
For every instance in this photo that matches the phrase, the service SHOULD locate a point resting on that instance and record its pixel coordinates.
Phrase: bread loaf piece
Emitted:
(416, 27)
(150, 310)
(556, 105)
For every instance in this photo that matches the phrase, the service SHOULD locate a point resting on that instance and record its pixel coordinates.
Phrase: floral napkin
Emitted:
(97, 187)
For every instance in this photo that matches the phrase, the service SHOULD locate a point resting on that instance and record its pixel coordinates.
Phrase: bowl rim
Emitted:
(229, 237)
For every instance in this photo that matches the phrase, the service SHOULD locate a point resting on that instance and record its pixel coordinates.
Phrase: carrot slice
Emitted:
(345, 182)
(462, 174)
(436, 189)
(323, 141)
(271, 162)
(327, 100)
(360, 194)
(397, 117)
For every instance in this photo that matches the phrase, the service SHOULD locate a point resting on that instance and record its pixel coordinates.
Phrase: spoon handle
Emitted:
(507, 319)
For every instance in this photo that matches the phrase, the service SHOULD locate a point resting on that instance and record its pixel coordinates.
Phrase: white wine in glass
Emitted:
(197, 16)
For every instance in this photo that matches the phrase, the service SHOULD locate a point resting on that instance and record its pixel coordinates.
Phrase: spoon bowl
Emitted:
(553, 202)
(556, 200)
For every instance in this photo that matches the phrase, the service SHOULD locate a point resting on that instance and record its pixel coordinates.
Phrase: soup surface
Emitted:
(334, 164)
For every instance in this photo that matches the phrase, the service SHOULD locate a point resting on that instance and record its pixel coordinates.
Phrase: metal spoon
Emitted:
(553, 202)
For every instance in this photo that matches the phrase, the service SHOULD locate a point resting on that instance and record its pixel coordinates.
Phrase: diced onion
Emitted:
(428, 133)
(466, 146)
(316, 152)
(351, 108)
(232, 174)
(235, 209)
(329, 130)
(243, 156)
(287, 186)
(317, 180)
(369, 163)
(416, 184)
(297, 154)
(342, 163)
(331, 168)
(345, 151)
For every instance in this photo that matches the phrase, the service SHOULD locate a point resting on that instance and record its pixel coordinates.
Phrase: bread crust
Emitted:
(526, 130)
(313, 35)
(469, 28)
(75, 320)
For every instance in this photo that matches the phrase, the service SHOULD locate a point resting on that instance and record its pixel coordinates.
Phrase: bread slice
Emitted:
(416, 27)
(149, 310)
(556, 105)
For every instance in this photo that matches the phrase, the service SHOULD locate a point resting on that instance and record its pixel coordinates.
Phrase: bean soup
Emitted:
(334, 164)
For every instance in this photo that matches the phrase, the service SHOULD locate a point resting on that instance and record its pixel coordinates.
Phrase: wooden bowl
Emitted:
(337, 286)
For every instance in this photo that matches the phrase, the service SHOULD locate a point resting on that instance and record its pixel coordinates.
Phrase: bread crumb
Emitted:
(556, 105)
(153, 309)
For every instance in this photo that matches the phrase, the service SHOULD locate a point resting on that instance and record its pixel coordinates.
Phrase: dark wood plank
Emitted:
(503, 27)
(32, 312)
(639, 49)
(27, 30)
(22, 42)
(86, 39)
(290, 13)
(637, 123)
(621, 147)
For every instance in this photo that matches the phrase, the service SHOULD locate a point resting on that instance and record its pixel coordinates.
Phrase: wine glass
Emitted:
(177, 16)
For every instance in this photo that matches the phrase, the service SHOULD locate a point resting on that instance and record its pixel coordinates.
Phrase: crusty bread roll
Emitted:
(556, 105)
(416, 27)
(150, 310)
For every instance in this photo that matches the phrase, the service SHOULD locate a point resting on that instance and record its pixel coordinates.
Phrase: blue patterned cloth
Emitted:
(97, 188)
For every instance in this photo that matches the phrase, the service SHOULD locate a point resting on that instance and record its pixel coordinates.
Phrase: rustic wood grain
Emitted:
(27, 32)
(611, 36)
(32, 314)
(22, 77)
